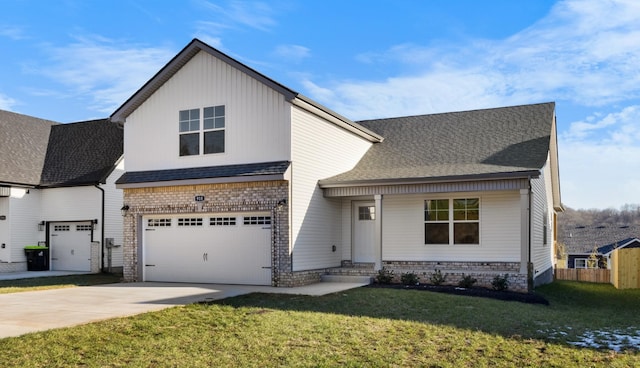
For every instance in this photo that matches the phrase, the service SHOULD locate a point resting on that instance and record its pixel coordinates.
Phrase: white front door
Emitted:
(70, 246)
(364, 216)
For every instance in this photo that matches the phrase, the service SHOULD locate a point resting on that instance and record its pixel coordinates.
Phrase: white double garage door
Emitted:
(230, 248)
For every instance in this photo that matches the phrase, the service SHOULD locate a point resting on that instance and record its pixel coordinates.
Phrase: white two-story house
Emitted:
(234, 178)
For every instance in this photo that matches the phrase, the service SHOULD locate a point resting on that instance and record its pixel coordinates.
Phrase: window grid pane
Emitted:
(366, 213)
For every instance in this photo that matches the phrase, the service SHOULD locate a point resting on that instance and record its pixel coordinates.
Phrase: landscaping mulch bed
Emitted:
(506, 295)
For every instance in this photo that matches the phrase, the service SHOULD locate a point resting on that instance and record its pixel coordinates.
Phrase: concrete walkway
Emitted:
(32, 311)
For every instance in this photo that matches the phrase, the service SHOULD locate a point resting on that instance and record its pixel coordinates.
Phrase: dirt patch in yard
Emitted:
(506, 295)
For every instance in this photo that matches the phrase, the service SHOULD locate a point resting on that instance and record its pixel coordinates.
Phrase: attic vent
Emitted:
(580, 227)
(5, 191)
(600, 227)
(624, 227)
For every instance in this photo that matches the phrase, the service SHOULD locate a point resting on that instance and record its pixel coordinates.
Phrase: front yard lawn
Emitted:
(58, 282)
(365, 327)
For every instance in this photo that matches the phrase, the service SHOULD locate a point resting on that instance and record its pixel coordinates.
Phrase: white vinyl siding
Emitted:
(403, 230)
(5, 229)
(319, 150)
(112, 216)
(24, 209)
(256, 118)
(542, 202)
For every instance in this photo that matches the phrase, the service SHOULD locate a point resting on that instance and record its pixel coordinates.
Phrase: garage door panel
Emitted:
(70, 246)
(207, 248)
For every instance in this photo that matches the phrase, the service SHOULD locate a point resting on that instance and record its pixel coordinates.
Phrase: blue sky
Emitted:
(72, 60)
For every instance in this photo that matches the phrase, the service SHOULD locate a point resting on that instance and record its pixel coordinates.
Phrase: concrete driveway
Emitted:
(33, 311)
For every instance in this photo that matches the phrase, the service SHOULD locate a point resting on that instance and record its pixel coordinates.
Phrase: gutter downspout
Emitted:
(101, 228)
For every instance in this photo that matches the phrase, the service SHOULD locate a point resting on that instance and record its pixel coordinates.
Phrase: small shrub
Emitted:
(500, 283)
(437, 278)
(466, 281)
(409, 278)
(384, 276)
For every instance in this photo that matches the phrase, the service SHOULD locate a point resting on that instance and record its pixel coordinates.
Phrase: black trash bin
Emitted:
(37, 258)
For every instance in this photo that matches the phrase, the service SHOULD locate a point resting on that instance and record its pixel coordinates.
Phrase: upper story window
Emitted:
(452, 221)
(207, 132)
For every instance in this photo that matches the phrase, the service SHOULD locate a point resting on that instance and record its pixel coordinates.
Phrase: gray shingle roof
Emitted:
(498, 141)
(579, 239)
(627, 243)
(82, 153)
(194, 173)
(23, 145)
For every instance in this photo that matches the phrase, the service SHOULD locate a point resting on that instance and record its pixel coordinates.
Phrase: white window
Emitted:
(159, 222)
(366, 213)
(195, 221)
(61, 228)
(257, 220)
(83, 227)
(209, 135)
(452, 221)
(580, 263)
(222, 221)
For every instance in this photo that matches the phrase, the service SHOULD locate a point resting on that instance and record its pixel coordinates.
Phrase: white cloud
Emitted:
(6, 102)
(583, 51)
(12, 32)
(292, 53)
(236, 14)
(106, 71)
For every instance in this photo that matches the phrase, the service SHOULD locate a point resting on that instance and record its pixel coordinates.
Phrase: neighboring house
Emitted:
(581, 242)
(232, 177)
(57, 189)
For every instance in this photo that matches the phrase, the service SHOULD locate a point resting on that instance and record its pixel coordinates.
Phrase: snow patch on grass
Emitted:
(617, 340)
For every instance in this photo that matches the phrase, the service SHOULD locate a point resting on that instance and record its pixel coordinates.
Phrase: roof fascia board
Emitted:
(443, 179)
(555, 168)
(175, 64)
(225, 180)
(313, 107)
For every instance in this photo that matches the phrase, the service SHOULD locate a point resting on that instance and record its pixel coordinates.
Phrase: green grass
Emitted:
(364, 327)
(58, 282)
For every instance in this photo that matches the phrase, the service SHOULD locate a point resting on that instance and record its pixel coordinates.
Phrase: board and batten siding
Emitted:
(24, 214)
(113, 219)
(73, 204)
(403, 229)
(541, 205)
(5, 229)
(256, 118)
(319, 150)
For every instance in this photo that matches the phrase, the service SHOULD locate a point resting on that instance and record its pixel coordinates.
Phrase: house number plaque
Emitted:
(199, 198)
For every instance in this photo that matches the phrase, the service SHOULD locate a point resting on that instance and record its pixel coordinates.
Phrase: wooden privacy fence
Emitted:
(625, 264)
(597, 275)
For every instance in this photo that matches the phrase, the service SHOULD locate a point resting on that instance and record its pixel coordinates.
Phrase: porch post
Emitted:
(378, 230)
(524, 231)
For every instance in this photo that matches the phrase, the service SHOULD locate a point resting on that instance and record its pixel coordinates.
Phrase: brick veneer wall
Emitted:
(483, 272)
(13, 267)
(264, 196)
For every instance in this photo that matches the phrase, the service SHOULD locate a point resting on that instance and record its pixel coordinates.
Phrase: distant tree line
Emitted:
(629, 214)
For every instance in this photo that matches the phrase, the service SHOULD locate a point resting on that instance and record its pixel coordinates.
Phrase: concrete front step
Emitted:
(346, 278)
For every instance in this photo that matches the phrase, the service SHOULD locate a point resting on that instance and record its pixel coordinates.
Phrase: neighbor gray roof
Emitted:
(581, 239)
(82, 153)
(499, 142)
(23, 145)
(209, 172)
(42, 153)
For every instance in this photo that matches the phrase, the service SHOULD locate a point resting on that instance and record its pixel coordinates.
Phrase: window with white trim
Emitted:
(159, 222)
(202, 133)
(84, 227)
(193, 221)
(222, 221)
(452, 221)
(257, 220)
(580, 263)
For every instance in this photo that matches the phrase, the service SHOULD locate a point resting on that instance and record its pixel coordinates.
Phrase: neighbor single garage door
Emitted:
(70, 246)
(213, 248)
